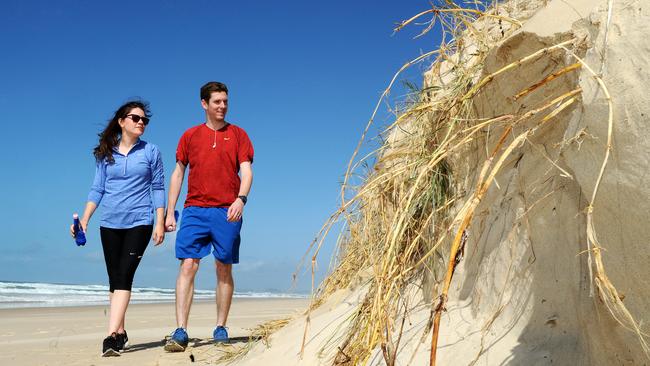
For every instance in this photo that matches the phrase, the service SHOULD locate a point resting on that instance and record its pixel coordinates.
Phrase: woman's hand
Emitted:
(83, 224)
(159, 233)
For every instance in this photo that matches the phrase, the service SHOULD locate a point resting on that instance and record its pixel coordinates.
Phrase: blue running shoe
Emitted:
(220, 334)
(178, 341)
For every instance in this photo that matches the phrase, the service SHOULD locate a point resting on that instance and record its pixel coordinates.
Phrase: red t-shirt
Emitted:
(213, 158)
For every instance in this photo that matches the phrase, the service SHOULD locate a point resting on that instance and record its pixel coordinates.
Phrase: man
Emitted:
(216, 151)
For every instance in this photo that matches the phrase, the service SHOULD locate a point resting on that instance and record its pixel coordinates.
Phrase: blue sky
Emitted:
(303, 77)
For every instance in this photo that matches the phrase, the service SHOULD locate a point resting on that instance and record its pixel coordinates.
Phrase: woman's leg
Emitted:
(135, 243)
(112, 244)
(119, 303)
(120, 329)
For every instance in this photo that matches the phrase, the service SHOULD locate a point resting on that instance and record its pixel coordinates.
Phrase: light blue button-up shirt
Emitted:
(131, 188)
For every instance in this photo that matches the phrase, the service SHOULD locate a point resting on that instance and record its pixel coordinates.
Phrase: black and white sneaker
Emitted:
(109, 346)
(122, 341)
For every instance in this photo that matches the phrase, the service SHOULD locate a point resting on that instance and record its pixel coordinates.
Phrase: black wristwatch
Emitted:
(243, 199)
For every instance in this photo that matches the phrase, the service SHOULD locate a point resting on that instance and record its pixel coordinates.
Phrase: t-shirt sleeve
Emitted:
(182, 149)
(245, 149)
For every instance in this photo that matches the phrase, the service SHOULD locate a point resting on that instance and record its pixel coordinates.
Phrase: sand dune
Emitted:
(554, 268)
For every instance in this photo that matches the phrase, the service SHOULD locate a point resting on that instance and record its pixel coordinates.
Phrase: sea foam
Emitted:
(38, 294)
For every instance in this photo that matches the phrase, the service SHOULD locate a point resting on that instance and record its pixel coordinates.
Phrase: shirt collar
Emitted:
(116, 147)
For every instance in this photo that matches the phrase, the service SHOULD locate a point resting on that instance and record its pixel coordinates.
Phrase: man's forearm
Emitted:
(246, 183)
(246, 173)
(175, 184)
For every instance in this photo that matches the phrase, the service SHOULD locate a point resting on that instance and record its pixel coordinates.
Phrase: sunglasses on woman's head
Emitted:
(135, 118)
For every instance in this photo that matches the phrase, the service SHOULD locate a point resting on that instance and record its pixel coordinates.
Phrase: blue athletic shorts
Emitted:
(203, 228)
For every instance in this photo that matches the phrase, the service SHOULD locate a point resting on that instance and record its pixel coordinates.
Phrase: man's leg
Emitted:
(185, 290)
(225, 288)
(192, 243)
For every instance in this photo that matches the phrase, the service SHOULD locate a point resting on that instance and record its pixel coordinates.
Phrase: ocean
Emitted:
(37, 294)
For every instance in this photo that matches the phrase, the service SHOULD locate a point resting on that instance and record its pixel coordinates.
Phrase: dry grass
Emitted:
(406, 209)
(231, 353)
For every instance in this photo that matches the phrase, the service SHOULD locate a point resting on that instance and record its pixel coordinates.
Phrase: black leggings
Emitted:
(123, 250)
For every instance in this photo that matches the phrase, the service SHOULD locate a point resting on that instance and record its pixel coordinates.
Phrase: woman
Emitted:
(129, 183)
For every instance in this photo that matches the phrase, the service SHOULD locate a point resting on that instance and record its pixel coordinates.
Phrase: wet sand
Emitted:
(73, 335)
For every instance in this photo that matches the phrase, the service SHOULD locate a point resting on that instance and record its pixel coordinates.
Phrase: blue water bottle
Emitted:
(79, 236)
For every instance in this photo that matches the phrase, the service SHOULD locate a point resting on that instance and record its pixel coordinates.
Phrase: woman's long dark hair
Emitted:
(109, 138)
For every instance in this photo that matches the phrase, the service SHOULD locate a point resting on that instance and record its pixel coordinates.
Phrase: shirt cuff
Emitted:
(95, 197)
(159, 198)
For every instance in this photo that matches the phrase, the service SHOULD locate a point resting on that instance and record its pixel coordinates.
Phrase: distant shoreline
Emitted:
(236, 300)
(15, 295)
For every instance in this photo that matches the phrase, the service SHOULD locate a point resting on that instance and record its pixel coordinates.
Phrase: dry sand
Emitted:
(73, 335)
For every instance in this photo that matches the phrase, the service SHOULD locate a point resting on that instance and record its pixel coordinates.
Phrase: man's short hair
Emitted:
(211, 87)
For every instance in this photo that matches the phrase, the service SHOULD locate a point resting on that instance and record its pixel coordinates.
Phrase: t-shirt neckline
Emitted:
(219, 130)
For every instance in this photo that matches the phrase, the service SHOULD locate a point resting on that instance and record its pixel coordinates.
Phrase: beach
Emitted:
(496, 216)
(73, 335)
